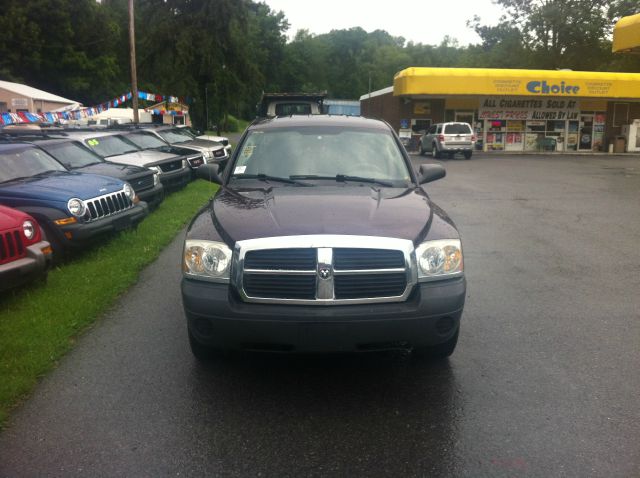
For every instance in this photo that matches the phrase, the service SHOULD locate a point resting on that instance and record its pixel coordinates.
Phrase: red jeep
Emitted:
(23, 254)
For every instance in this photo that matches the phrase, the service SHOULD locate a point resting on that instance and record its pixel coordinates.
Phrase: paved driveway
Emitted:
(545, 381)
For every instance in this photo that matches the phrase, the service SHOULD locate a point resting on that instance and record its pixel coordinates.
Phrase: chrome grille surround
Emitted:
(325, 287)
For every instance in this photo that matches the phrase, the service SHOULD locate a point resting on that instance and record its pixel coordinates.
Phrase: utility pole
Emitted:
(134, 76)
(206, 108)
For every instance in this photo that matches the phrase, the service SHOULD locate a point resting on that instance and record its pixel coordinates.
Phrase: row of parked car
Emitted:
(64, 189)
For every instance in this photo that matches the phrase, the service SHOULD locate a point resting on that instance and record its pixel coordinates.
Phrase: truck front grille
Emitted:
(108, 205)
(328, 270)
(11, 246)
(143, 183)
(280, 286)
(170, 166)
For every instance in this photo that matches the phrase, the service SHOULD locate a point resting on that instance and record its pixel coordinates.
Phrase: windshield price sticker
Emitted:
(93, 142)
(239, 170)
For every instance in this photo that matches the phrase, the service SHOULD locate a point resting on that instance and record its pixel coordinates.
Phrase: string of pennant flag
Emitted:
(21, 117)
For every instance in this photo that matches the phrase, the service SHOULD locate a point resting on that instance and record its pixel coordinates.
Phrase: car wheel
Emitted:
(467, 154)
(58, 250)
(440, 351)
(422, 151)
(203, 352)
(434, 152)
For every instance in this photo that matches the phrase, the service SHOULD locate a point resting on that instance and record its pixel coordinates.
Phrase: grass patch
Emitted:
(38, 323)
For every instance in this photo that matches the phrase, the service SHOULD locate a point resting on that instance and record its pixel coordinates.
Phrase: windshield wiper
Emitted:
(343, 178)
(267, 178)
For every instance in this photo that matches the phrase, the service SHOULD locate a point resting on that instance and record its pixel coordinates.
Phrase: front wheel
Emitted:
(202, 352)
(440, 351)
(467, 154)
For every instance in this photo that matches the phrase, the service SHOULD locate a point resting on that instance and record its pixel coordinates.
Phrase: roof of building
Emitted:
(626, 35)
(503, 82)
(33, 93)
(373, 94)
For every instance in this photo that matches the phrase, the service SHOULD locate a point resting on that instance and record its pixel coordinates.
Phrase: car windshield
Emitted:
(107, 146)
(26, 163)
(326, 152)
(146, 140)
(175, 135)
(457, 128)
(73, 155)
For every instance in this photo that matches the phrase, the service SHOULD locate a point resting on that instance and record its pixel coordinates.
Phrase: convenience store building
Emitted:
(516, 110)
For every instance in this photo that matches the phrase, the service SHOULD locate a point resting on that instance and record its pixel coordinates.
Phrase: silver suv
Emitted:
(448, 138)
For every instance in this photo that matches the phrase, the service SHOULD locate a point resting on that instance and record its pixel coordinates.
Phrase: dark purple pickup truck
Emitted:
(322, 238)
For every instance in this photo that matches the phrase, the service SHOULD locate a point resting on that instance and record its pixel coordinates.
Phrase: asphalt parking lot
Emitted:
(544, 382)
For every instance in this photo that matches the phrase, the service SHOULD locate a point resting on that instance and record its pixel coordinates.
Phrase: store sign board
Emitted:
(498, 107)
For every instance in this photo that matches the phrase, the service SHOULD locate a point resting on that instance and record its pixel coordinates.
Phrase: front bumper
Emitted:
(78, 234)
(23, 270)
(153, 196)
(217, 317)
(176, 179)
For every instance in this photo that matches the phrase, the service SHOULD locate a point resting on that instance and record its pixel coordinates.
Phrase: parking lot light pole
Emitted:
(132, 51)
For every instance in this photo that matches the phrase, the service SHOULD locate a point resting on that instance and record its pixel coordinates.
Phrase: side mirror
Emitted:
(431, 172)
(209, 172)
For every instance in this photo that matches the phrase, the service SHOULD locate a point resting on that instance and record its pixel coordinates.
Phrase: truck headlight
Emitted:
(156, 178)
(155, 169)
(441, 259)
(207, 154)
(29, 230)
(76, 207)
(206, 260)
(128, 191)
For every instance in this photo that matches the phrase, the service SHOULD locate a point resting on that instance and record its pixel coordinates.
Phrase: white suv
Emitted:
(448, 138)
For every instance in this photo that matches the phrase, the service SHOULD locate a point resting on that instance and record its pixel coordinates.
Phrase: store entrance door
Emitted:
(585, 134)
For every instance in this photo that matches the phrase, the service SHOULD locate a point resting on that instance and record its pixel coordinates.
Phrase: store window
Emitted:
(496, 132)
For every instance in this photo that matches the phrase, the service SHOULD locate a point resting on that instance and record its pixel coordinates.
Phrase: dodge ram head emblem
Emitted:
(324, 273)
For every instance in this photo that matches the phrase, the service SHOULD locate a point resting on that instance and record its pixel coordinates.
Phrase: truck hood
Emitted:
(141, 158)
(61, 186)
(353, 210)
(200, 144)
(120, 171)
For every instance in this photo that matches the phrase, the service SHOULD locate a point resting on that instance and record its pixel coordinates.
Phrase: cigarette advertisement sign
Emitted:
(497, 107)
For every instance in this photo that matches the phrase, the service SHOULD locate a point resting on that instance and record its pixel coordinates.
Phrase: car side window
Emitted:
(439, 128)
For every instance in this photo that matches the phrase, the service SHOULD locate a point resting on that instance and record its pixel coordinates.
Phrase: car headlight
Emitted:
(76, 207)
(207, 154)
(441, 259)
(128, 191)
(207, 260)
(156, 178)
(29, 230)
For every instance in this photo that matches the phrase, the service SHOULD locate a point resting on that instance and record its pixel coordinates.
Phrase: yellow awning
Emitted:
(485, 81)
(626, 35)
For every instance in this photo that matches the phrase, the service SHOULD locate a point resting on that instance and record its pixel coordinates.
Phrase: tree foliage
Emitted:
(224, 53)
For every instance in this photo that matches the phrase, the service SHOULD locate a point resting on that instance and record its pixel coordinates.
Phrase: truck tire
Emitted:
(202, 352)
(440, 351)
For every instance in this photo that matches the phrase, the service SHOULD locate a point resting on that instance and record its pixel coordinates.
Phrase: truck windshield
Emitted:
(323, 152)
(175, 135)
(73, 155)
(26, 163)
(107, 146)
(146, 140)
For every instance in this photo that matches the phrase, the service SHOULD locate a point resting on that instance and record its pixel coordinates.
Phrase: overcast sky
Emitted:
(425, 21)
